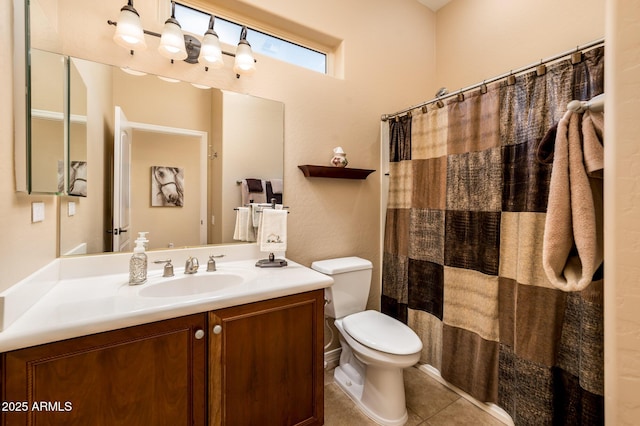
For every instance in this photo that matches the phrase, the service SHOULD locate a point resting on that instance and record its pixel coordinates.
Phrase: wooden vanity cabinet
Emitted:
(152, 374)
(266, 362)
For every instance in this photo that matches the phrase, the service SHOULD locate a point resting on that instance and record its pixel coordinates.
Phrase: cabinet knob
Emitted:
(199, 334)
(217, 329)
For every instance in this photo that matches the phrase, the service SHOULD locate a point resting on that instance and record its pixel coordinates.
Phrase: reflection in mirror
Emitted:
(215, 138)
(47, 141)
(77, 168)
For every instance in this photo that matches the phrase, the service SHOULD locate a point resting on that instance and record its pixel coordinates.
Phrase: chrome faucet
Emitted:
(211, 264)
(191, 266)
(168, 267)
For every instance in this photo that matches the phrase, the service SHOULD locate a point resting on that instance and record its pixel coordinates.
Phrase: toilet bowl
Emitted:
(375, 347)
(371, 377)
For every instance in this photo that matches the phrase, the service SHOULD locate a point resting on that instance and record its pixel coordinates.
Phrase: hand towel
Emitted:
(242, 220)
(256, 213)
(276, 186)
(255, 185)
(592, 134)
(272, 233)
(572, 246)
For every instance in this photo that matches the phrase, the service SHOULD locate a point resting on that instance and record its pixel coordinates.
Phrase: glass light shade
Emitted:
(168, 79)
(129, 32)
(244, 64)
(210, 51)
(133, 72)
(172, 41)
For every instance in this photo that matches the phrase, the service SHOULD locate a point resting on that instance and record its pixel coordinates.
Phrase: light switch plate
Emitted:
(37, 212)
(71, 207)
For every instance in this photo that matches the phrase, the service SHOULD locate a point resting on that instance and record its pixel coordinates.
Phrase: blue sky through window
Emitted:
(197, 22)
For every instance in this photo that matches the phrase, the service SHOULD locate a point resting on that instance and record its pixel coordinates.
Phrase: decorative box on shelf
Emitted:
(335, 172)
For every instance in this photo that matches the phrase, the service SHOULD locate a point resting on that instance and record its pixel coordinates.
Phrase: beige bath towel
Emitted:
(572, 248)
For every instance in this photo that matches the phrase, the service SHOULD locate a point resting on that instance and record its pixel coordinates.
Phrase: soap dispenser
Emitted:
(138, 262)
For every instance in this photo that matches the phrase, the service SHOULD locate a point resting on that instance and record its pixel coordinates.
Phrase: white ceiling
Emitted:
(434, 4)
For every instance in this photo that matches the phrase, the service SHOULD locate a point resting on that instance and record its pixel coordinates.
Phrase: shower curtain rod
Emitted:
(594, 43)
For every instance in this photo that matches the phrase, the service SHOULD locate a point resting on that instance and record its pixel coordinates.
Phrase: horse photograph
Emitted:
(167, 186)
(78, 178)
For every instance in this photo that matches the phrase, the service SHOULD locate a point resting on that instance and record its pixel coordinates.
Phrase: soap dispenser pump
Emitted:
(138, 262)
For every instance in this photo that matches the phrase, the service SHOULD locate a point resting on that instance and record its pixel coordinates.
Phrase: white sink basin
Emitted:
(189, 285)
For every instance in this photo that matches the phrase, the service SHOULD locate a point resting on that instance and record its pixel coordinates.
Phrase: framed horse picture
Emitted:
(167, 186)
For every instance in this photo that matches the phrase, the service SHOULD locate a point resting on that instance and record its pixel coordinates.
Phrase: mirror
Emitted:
(47, 122)
(77, 138)
(207, 138)
(244, 139)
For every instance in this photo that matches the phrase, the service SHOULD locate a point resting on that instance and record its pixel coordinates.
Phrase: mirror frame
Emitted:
(21, 97)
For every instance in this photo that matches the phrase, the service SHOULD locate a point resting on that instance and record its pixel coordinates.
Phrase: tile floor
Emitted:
(429, 403)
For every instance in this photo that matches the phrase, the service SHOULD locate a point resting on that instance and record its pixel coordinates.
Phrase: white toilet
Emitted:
(375, 347)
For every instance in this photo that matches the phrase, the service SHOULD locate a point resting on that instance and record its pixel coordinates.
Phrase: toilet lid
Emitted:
(381, 332)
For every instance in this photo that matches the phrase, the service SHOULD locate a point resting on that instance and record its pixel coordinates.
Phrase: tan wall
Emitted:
(477, 40)
(622, 210)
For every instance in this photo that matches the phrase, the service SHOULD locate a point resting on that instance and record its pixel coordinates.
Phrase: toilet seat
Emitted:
(381, 332)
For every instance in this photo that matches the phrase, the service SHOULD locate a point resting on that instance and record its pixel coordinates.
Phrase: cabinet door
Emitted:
(152, 374)
(266, 362)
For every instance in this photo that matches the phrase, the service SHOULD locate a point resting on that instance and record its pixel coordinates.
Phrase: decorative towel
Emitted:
(272, 233)
(573, 246)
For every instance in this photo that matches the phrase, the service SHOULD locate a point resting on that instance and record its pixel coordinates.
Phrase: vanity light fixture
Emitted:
(211, 52)
(244, 63)
(174, 44)
(129, 34)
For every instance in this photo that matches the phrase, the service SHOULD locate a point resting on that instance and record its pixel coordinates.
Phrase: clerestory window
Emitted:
(197, 22)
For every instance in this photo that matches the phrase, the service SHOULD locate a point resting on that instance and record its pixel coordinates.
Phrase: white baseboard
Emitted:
(332, 358)
(491, 409)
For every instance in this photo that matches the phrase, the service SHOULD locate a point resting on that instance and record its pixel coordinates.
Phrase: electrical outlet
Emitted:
(71, 207)
(37, 212)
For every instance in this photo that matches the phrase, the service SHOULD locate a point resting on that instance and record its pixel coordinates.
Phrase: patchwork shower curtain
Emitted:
(462, 265)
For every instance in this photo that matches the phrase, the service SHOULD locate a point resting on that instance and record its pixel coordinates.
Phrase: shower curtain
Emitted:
(462, 261)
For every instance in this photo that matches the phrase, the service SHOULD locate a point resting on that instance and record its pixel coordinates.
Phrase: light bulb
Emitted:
(129, 33)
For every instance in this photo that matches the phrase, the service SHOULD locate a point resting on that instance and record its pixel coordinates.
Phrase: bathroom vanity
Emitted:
(249, 354)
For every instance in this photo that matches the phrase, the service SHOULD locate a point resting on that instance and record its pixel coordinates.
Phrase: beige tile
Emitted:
(462, 412)
(426, 396)
(328, 376)
(429, 403)
(339, 410)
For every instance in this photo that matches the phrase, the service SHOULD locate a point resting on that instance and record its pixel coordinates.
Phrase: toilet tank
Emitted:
(351, 284)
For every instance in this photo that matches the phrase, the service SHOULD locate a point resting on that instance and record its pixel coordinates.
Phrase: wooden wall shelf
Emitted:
(335, 172)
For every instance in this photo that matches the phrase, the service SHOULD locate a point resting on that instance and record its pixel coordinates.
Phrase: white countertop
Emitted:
(77, 306)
